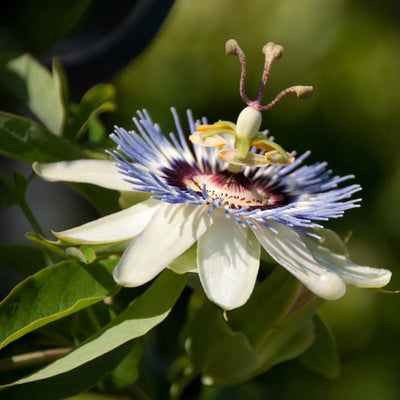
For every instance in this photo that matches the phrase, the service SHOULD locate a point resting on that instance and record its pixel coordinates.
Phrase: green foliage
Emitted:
(97, 100)
(36, 87)
(322, 356)
(137, 319)
(127, 371)
(28, 141)
(22, 259)
(270, 328)
(14, 191)
(70, 383)
(37, 301)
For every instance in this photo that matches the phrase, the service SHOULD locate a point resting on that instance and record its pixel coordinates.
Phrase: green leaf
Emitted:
(13, 192)
(104, 249)
(70, 383)
(23, 259)
(127, 199)
(186, 262)
(293, 335)
(273, 326)
(77, 254)
(97, 100)
(37, 301)
(267, 306)
(28, 141)
(147, 311)
(322, 357)
(205, 327)
(47, 244)
(8, 197)
(96, 130)
(294, 341)
(127, 371)
(37, 87)
(230, 360)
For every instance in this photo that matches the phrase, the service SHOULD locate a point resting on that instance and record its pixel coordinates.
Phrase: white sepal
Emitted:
(228, 259)
(115, 227)
(288, 249)
(171, 231)
(102, 173)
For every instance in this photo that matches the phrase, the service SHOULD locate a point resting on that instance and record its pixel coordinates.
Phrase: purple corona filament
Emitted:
(295, 195)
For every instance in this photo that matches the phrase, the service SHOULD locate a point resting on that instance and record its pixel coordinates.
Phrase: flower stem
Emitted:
(30, 217)
(33, 358)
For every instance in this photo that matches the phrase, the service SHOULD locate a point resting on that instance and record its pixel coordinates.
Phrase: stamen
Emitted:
(207, 140)
(232, 49)
(202, 128)
(272, 52)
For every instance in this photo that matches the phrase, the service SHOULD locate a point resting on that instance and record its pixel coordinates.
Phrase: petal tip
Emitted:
(382, 279)
(122, 280)
(329, 286)
(37, 168)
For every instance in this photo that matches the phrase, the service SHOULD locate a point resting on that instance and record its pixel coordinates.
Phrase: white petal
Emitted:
(288, 249)
(350, 272)
(228, 257)
(102, 173)
(121, 225)
(171, 231)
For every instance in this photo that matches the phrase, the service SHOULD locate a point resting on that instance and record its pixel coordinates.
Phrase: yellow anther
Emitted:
(276, 158)
(232, 156)
(203, 128)
(262, 146)
(207, 141)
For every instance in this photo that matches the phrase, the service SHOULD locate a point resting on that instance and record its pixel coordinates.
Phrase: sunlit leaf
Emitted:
(96, 100)
(147, 311)
(37, 87)
(70, 383)
(127, 371)
(53, 293)
(28, 141)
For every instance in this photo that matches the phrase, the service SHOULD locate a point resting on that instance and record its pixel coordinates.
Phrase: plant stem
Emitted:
(33, 358)
(30, 217)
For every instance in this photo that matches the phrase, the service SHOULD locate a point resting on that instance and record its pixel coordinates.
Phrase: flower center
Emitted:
(236, 190)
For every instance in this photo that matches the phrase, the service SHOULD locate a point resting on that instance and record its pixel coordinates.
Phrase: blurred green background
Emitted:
(350, 52)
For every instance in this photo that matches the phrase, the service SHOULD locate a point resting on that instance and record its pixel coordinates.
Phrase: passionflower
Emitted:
(232, 190)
